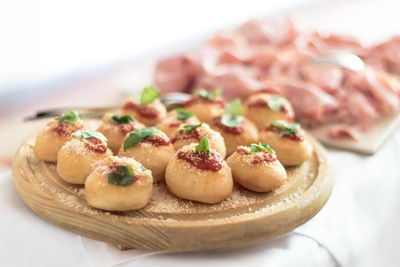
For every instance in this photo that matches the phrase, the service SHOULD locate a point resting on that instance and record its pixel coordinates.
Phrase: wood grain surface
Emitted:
(173, 224)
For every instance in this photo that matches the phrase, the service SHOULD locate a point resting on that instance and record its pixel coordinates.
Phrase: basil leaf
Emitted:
(83, 134)
(69, 116)
(275, 103)
(203, 146)
(233, 114)
(187, 128)
(123, 176)
(285, 127)
(254, 148)
(137, 136)
(148, 95)
(183, 114)
(209, 95)
(118, 119)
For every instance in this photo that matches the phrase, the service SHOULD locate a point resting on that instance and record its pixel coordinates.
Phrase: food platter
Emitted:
(172, 224)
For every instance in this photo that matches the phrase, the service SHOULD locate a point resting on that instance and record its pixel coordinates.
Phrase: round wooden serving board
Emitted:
(170, 223)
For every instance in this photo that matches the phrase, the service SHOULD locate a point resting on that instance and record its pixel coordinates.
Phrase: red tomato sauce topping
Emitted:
(202, 160)
(190, 135)
(95, 145)
(295, 137)
(230, 130)
(157, 141)
(194, 99)
(261, 103)
(143, 110)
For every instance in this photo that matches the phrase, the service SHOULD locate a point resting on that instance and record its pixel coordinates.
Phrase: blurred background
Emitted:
(91, 53)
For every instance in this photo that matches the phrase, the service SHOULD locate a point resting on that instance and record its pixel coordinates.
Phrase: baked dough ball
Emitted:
(243, 134)
(175, 118)
(263, 108)
(53, 137)
(197, 176)
(112, 185)
(258, 171)
(205, 106)
(189, 133)
(77, 157)
(115, 127)
(153, 152)
(291, 149)
(147, 109)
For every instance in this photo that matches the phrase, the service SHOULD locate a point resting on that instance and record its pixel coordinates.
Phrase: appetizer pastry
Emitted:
(148, 109)
(197, 172)
(189, 133)
(55, 135)
(289, 142)
(175, 118)
(234, 128)
(115, 127)
(119, 184)
(151, 147)
(206, 105)
(77, 157)
(263, 108)
(257, 168)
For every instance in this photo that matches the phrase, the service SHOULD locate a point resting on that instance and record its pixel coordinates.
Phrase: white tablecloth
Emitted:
(359, 226)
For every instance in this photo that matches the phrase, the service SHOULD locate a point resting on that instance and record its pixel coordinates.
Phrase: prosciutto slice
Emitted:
(273, 56)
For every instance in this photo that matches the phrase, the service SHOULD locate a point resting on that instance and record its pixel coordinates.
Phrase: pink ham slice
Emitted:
(311, 104)
(279, 33)
(234, 80)
(343, 131)
(386, 56)
(173, 74)
(382, 93)
(262, 55)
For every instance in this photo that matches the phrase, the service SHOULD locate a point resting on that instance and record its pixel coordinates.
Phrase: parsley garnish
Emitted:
(137, 136)
(86, 134)
(254, 148)
(118, 119)
(233, 114)
(209, 95)
(183, 114)
(148, 95)
(123, 176)
(203, 146)
(285, 127)
(69, 116)
(187, 128)
(275, 103)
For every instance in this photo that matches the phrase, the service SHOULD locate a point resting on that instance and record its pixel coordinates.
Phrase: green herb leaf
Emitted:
(137, 136)
(118, 119)
(285, 127)
(69, 116)
(203, 146)
(254, 148)
(123, 177)
(233, 114)
(209, 95)
(183, 114)
(87, 134)
(148, 95)
(275, 103)
(187, 128)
